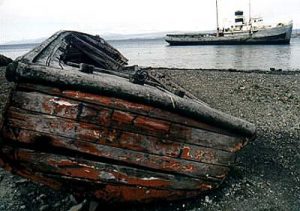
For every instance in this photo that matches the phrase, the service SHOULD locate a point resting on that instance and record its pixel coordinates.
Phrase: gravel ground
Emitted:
(267, 176)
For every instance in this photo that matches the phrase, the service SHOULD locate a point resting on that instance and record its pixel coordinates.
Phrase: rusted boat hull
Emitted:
(101, 136)
(124, 151)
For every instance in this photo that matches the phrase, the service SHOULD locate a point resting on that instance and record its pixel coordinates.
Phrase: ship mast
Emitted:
(250, 24)
(217, 18)
(249, 12)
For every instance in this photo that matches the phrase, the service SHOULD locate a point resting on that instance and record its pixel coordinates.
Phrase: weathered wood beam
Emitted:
(61, 36)
(120, 193)
(140, 125)
(103, 173)
(129, 141)
(169, 85)
(100, 48)
(8, 162)
(112, 85)
(123, 105)
(107, 48)
(95, 54)
(82, 187)
(168, 164)
(33, 55)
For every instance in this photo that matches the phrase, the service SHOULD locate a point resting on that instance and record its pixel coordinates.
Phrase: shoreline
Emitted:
(230, 70)
(268, 169)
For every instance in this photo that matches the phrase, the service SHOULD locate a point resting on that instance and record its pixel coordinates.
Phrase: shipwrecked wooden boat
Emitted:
(80, 119)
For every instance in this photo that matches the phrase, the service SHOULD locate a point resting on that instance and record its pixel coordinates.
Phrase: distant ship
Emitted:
(242, 32)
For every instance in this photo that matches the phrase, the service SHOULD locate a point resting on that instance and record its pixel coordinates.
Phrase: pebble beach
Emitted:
(267, 176)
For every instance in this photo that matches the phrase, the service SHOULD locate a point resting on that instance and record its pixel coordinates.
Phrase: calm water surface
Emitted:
(159, 54)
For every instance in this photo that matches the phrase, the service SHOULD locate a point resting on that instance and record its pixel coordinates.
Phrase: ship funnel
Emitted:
(239, 18)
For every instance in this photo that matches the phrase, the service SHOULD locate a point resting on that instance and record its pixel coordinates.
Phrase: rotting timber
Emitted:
(80, 119)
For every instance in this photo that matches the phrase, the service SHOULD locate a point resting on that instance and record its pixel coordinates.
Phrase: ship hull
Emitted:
(104, 136)
(112, 149)
(276, 35)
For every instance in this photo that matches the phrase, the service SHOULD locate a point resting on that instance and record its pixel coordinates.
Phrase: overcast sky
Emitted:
(30, 19)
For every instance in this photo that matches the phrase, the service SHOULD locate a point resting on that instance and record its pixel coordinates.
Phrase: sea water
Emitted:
(158, 53)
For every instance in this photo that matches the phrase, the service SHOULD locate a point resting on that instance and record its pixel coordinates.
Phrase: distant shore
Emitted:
(120, 37)
(271, 71)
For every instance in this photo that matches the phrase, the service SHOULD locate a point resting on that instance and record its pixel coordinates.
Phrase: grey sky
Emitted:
(28, 19)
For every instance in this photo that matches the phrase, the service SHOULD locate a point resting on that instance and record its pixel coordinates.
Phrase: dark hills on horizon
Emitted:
(115, 37)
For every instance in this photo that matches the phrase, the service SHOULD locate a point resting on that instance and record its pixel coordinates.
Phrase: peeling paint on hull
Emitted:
(87, 144)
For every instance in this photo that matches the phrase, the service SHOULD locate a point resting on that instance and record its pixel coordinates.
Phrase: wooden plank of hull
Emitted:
(102, 173)
(129, 157)
(124, 194)
(124, 105)
(121, 193)
(136, 142)
(87, 188)
(10, 165)
(117, 138)
(121, 120)
(190, 168)
(120, 87)
(106, 48)
(94, 53)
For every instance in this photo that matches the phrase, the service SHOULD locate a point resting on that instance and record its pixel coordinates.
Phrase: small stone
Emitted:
(207, 200)
(56, 205)
(72, 199)
(78, 207)
(44, 207)
(93, 206)
(21, 181)
(4, 61)
(23, 207)
(41, 197)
